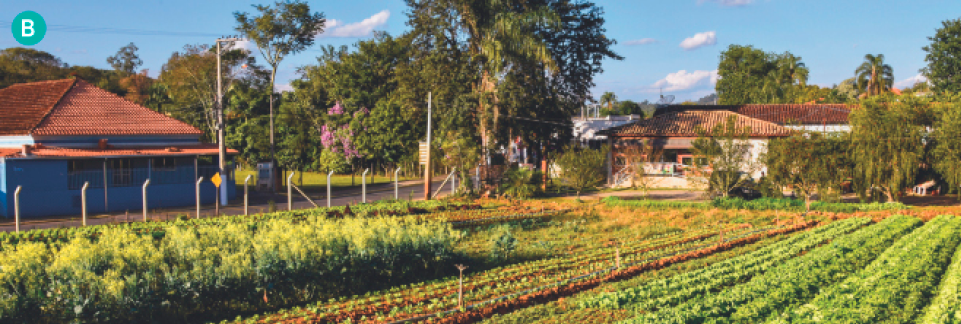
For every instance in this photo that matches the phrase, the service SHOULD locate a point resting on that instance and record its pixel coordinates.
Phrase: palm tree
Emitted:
(873, 76)
(609, 99)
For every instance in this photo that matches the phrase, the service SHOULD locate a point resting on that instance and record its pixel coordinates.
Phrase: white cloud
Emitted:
(642, 41)
(364, 28)
(729, 3)
(909, 82)
(283, 87)
(699, 40)
(683, 80)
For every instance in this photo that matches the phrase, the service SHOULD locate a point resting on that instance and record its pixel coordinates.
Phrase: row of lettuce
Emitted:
(784, 204)
(893, 271)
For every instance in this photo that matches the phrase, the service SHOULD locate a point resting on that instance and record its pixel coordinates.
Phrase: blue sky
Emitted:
(672, 45)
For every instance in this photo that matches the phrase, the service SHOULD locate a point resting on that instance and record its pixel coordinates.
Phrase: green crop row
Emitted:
(892, 289)
(670, 291)
(794, 281)
(785, 204)
(125, 277)
(946, 307)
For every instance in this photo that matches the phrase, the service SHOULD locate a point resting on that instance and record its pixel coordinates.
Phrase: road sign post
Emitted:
(216, 180)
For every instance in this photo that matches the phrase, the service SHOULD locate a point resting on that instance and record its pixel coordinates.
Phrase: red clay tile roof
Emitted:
(75, 107)
(23, 106)
(816, 114)
(59, 152)
(684, 124)
(88, 110)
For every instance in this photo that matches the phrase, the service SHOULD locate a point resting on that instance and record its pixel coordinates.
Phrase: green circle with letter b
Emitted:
(28, 28)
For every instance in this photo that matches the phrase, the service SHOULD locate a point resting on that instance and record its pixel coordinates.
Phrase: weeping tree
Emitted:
(946, 151)
(810, 163)
(888, 144)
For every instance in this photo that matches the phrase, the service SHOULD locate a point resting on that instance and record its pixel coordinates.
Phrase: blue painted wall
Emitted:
(3, 188)
(46, 192)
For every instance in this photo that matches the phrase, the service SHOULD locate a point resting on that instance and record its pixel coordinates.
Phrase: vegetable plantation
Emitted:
(552, 263)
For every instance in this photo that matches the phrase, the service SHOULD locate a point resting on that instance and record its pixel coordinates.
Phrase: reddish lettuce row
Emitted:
(435, 297)
(503, 307)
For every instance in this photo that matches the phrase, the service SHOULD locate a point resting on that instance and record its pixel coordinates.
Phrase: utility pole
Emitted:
(427, 166)
(221, 146)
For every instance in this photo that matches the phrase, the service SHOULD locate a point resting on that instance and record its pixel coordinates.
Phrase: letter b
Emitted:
(27, 24)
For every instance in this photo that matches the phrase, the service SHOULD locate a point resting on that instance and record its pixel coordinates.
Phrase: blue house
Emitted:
(55, 136)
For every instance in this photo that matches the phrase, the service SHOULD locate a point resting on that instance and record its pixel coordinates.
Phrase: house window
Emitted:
(121, 171)
(669, 156)
(80, 172)
(164, 164)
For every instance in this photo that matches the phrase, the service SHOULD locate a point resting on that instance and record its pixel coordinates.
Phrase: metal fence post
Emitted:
(290, 194)
(246, 205)
(198, 195)
(363, 185)
(145, 184)
(16, 207)
(396, 185)
(83, 203)
(328, 187)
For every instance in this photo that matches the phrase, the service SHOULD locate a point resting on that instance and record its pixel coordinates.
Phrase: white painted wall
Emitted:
(822, 128)
(586, 128)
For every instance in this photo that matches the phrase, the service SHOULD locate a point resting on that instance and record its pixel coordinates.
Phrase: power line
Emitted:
(120, 31)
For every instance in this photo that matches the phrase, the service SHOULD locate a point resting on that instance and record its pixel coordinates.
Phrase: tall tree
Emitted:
(609, 99)
(749, 75)
(873, 76)
(285, 29)
(190, 77)
(498, 35)
(944, 57)
(126, 60)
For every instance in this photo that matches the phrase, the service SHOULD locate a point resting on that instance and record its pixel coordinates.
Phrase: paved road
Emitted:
(259, 202)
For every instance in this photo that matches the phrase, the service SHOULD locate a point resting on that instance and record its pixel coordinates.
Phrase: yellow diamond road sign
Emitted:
(216, 179)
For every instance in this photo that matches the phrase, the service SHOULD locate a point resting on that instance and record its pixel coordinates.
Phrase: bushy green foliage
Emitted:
(502, 242)
(126, 277)
(582, 168)
(521, 183)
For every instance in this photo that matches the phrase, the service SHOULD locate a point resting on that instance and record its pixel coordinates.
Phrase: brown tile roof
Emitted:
(23, 106)
(76, 107)
(684, 124)
(782, 114)
(59, 152)
(88, 110)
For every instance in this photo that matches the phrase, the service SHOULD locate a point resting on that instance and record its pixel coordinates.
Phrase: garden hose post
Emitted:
(198, 195)
(290, 193)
